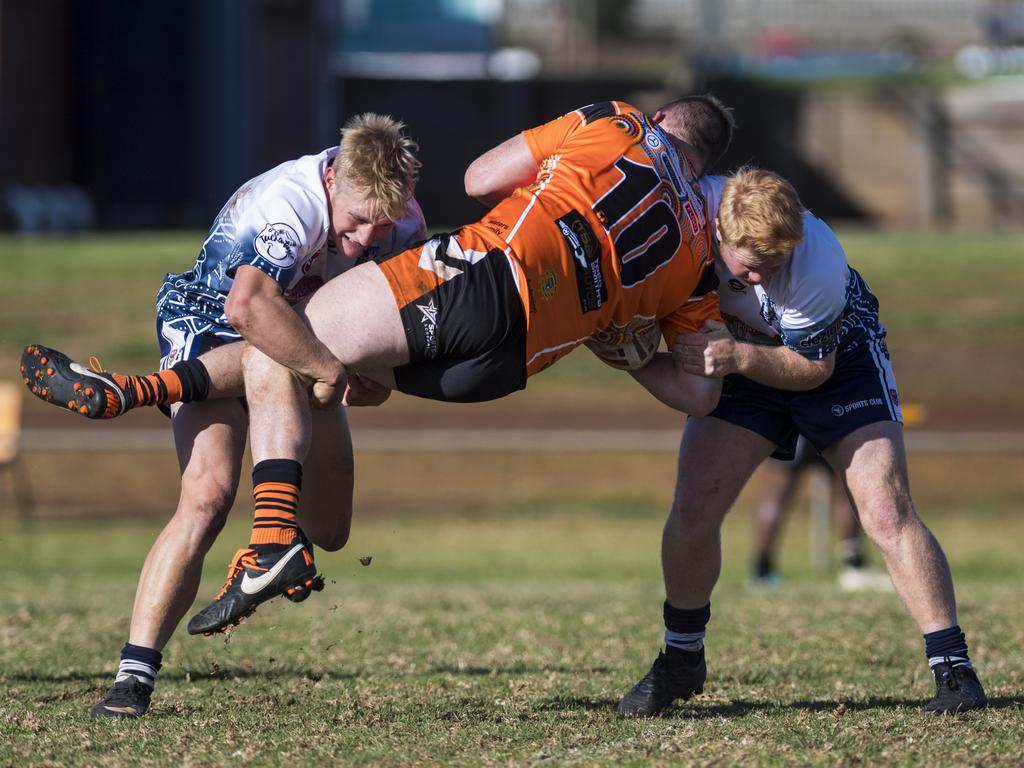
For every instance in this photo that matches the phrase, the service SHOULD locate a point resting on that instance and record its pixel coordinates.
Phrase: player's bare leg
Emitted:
(210, 440)
(357, 318)
(872, 461)
(98, 394)
(716, 459)
(278, 558)
(325, 509)
(856, 574)
(873, 465)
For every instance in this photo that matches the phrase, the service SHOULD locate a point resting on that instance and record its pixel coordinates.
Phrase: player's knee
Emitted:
(689, 520)
(886, 523)
(206, 501)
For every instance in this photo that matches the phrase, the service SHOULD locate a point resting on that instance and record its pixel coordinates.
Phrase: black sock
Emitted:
(276, 487)
(684, 632)
(195, 380)
(763, 566)
(946, 646)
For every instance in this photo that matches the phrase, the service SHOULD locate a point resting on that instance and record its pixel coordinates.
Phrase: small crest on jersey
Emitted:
(277, 243)
(548, 284)
(628, 124)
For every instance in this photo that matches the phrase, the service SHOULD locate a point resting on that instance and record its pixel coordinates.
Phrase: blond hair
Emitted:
(378, 161)
(760, 211)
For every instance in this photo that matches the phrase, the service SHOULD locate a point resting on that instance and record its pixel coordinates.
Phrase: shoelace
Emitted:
(950, 677)
(244, 558)
(94, 363)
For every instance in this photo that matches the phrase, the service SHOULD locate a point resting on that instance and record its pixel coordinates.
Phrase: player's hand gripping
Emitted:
(364, 392)
(712, 352)
(329, 387)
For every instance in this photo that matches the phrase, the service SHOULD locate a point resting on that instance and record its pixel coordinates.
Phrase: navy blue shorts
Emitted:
(860, 391)
(183, 339)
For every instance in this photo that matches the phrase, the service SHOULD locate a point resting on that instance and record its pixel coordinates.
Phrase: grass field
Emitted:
(511, 598)
(498, 624)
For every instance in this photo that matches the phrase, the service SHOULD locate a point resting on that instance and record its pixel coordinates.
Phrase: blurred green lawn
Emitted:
(950, 301)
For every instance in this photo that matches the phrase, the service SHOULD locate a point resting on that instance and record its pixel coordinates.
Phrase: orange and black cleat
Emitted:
(54, 377)
(257, 574)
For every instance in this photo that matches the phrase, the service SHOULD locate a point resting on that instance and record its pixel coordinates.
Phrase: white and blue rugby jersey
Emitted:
(278, 223)
(815, 305)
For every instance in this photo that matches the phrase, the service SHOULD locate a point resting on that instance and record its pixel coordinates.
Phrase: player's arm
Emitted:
(257, 309)
(715, 353)
(666, 379)
(497, 173)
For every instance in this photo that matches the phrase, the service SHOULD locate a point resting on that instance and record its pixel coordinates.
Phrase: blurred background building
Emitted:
(136, 114)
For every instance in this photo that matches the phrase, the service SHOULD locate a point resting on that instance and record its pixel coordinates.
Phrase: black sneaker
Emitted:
(255, 575)
(54, 377)
(667, 681)
(126, 698)
(957, 689)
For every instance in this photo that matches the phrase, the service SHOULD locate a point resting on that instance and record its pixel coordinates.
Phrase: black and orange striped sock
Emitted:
(185, 382)
(276, 484)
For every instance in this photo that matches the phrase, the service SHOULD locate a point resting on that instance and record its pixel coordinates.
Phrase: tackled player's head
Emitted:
(371, 180)
(760, 221)
(703, 122)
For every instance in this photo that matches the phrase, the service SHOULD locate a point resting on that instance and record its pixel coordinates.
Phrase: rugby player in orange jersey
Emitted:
(600, 225)
(598, 228)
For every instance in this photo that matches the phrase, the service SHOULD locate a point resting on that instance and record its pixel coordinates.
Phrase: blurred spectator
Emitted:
(1002, 22)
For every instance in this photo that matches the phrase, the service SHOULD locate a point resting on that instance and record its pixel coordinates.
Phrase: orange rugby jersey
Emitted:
(613, 229)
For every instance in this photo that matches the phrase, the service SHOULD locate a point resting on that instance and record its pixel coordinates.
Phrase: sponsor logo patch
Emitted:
(278, 244)
(822, 338)
(586, 259)
(856, 405)
(429, 321)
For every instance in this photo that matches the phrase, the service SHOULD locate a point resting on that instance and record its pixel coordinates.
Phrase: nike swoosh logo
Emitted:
(122, 710)
(92, 374)
(251, 586)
